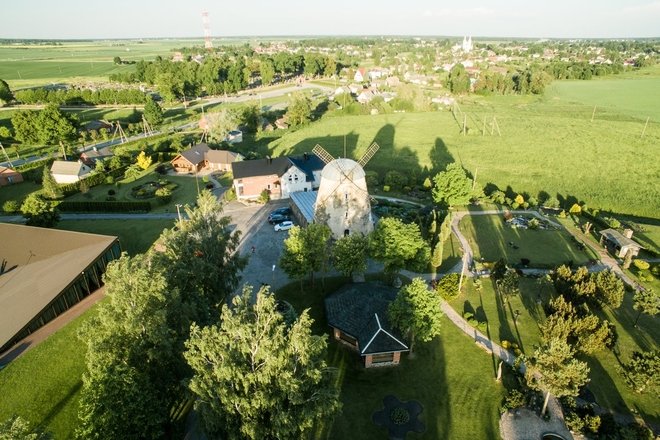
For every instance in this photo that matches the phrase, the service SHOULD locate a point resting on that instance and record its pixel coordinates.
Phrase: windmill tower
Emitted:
(342, 202)
(207, 30)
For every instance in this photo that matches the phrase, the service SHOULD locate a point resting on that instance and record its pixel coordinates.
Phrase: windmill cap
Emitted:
(338, 169)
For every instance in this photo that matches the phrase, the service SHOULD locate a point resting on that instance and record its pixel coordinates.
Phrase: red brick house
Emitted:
(9, 176)
(251, 177)
(357, 314)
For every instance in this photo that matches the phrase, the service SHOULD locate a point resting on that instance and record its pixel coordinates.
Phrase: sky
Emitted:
(85, 19)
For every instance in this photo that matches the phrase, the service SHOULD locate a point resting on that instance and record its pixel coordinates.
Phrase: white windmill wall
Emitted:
(342, 202)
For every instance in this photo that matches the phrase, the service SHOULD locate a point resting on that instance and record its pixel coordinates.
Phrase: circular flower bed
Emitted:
(149, 189)
(399, 416)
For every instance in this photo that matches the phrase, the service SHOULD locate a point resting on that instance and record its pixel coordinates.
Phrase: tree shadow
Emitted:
(55, 410)
(440, 156)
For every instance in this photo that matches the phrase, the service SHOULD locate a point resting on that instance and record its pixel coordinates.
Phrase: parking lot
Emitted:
(256, 232)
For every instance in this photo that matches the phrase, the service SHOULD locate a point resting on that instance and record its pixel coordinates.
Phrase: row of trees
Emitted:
(80, 96)
(160, 335)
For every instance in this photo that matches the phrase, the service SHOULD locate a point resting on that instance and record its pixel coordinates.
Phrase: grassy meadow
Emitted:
(545, 146)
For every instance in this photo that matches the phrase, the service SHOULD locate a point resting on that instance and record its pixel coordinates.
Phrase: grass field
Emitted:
(634, 96)
(489, 238)
(450, 377)
(606, 382)
(545, 146)
(135, 236)
(43, 385)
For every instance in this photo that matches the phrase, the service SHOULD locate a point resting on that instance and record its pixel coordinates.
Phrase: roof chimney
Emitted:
(305, 157)
(628, 233)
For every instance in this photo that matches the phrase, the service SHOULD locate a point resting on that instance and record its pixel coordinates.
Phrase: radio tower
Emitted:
(207, 30)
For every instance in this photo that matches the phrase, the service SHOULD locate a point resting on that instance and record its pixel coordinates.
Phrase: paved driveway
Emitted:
(256, 231)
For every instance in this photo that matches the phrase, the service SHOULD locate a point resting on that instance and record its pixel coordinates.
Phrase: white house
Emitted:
(360, 75)
(69, 172)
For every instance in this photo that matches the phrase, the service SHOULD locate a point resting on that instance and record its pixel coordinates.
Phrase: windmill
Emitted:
(342, 202)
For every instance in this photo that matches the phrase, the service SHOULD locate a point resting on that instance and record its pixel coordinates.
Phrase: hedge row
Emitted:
(104, 206)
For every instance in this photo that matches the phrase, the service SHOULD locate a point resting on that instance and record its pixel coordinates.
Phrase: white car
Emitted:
(284, 226)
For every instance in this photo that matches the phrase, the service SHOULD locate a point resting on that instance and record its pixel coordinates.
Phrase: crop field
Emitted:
(544, 145)
(633, 97)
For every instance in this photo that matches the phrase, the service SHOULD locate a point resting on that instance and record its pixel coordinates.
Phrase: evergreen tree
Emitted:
(642, 373)
(153, 113)
(257, 377)
(15, 428)
(49, 188)
(416, 310)
(554, 370)
(646, 301)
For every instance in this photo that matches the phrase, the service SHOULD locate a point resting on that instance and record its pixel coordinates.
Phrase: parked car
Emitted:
(277, 218)
(280, 211)
(284, 226)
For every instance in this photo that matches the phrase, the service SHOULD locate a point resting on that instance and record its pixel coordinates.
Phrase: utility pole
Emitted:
(8, 160)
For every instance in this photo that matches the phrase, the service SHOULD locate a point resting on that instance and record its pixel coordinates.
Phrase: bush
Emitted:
(164, 195)
(399, 416)
(395, 179)
(641, 264)
(230, 194)
(11, 206)
(513, 399)
(264, 197)
(109, 180)
(447, 286)
(104, 206)
(386, 188)
(372, 178)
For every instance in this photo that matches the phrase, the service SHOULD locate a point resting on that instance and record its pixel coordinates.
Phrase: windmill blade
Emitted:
(369, 154)
(322, 154)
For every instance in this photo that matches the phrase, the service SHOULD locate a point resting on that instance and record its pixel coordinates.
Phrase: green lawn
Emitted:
(450, 377)
(43, 386)
(546, 145)
(605, 381)
(490, 239)
(135, 236)
(17, 192)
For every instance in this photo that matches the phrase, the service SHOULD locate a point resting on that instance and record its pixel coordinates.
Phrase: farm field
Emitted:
(635, 96)
(545, 146)
(490, 239)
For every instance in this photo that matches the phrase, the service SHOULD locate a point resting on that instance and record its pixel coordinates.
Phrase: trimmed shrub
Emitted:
(11, 206)
(104, 206)
(386, 188)
(447, 286)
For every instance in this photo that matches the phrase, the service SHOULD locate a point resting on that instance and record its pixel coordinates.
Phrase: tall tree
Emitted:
(508, 285)
(646, 301)
(257, 377)
(201, 259)
(130, 384)
(459, 80)
(398, 245)
(220, 123)
(305, 251)
(5, 93)
(452, 186)
(39, 212)
(300, 109)
(416, 310)
(267, 71)
(642, 373)
(349, 254)
(153, 113)
(554, 370)
(55, 126)
(50, 189)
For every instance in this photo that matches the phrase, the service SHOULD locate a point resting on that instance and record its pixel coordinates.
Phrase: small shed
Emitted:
(619, 244)
(9, 176)
(69, 172)
(357, 314)
(303, 206)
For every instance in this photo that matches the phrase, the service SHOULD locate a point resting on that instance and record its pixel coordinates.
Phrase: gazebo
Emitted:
(357, 314)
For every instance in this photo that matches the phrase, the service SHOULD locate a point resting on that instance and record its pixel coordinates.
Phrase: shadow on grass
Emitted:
(63, 402)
